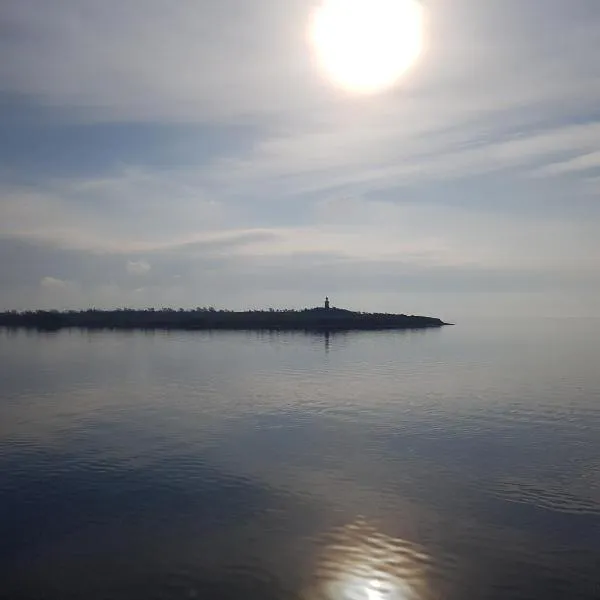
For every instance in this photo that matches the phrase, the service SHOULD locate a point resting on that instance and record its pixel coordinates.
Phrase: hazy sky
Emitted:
(192, 153)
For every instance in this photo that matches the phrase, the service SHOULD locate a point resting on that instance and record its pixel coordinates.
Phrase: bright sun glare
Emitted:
(366, 45)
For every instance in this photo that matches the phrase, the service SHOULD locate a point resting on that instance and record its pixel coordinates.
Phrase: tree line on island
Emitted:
(316, 319)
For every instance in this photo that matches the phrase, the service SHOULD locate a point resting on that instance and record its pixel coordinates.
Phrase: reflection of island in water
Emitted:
(325, 318)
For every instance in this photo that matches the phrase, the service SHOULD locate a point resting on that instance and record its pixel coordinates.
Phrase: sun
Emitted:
(366, 45)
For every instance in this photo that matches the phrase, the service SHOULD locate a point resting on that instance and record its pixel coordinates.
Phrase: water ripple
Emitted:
(360, 563)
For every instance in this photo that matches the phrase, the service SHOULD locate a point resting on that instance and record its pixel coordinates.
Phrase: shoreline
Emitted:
(315, 319)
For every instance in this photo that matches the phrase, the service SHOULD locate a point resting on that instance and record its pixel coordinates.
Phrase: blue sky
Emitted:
(192, 153)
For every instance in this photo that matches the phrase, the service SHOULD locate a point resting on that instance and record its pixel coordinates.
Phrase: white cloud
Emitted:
(137, 267)
(370, 156)
(133, 209)
(313, 191)
(456, 115)
(51, 293)
(584, 162)
(53, 283)
(150, 59)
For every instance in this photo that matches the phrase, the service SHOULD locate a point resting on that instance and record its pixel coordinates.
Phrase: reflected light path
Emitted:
(360, 563)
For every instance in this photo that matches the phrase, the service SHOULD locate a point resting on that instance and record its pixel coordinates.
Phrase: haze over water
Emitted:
(454, 463)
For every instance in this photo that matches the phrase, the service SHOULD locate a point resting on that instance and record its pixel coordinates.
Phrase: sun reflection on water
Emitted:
(361, 563)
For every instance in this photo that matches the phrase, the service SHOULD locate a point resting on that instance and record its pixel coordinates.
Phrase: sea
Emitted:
(459, 463)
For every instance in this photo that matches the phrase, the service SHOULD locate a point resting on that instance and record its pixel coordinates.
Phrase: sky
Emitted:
(194, 153)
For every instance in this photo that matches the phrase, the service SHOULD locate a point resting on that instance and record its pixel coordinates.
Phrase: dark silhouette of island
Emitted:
(325, 318)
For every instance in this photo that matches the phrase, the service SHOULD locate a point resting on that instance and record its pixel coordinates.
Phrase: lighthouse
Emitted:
(326, 303)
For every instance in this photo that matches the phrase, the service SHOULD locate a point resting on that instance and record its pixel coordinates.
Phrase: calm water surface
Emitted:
(460, 463)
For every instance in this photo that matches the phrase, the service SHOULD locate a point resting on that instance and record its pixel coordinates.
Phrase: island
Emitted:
(324, 318)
